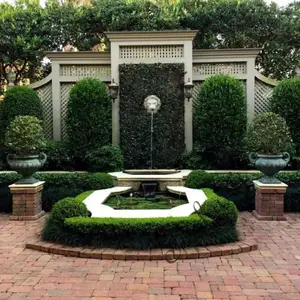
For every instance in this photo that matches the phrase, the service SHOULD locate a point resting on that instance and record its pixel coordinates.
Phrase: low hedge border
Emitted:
(239, 188)
(58, 185)
(69, 225)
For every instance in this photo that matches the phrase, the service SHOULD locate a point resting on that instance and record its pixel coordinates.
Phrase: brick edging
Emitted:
(170, 255)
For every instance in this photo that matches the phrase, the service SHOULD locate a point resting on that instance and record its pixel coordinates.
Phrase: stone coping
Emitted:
(170, 255)
(181, 175)
(268, 186)
(26, 185)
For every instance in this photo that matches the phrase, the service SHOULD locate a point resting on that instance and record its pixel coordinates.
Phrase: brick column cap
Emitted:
(268, 186)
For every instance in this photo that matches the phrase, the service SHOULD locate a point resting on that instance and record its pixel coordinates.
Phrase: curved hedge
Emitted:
(220, 121)
(147, 233)
(88, 119)
(285, 102)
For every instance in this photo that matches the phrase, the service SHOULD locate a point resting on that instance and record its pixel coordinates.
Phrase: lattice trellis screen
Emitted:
(64, 98)
(148, 52)
(82, 71)
(217, 68)
(263, 93)
(45, 93)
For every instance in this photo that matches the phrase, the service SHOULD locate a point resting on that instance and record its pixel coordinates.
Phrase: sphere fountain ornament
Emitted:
(152, 104)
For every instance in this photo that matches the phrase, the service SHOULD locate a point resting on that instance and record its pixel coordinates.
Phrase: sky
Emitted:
(279, 2)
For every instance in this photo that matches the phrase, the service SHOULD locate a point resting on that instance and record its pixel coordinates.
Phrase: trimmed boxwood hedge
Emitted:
(137, 81)
(240, 190)
(57, 186)
(147, 233)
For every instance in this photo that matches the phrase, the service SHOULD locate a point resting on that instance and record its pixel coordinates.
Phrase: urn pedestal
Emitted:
(27, 201)
(269, 201)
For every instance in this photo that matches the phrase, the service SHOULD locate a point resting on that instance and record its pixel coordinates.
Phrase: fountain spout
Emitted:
(152, 104)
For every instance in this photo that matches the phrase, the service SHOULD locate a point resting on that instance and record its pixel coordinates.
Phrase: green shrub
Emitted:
(57, 186)
(269, 134)
(193, 161)
(285, 101)
(198, 179)
(88, 118)
(58, 156)
(68, 208)
(144, 233)
(173, 232)
(137, 81)
(20, 101)
(220, 121)
(235, 187)
(25, 135)
(105, 159)
(221, 210)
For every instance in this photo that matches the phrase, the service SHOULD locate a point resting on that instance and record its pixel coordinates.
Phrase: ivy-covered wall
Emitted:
(137, 81)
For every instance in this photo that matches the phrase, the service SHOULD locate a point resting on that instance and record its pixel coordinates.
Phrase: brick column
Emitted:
(269, 201)
(26, 200)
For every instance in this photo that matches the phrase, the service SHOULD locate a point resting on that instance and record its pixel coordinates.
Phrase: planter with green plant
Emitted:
(270, 145)
(25, 138)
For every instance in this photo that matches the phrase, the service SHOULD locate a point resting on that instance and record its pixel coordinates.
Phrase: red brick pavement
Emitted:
(271, 272)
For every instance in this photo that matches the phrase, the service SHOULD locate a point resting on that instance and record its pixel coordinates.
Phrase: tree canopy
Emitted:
(27, 29)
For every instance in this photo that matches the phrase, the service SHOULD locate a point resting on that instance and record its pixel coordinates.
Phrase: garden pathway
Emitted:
(272, 272)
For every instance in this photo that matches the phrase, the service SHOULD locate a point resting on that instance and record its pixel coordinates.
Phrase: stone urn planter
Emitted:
(25, 138)
(26, 166)
(269, 141)
(269, 165)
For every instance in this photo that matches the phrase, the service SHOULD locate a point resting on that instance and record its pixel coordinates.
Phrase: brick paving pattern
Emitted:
(271, 272)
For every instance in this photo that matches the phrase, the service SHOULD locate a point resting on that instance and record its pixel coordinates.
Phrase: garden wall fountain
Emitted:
(150, 180)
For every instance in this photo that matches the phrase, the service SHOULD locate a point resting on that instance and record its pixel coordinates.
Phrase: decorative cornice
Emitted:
(220, 53)
(80, 56)
(132, 36)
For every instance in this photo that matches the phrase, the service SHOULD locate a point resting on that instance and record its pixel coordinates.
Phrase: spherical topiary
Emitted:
(88, 118)
(198, 179)
(269, 134)
(106, 159)
(20, 101)
(285, 102)
(222, 211)
(220, 120)
(25, 135)
(68, 208)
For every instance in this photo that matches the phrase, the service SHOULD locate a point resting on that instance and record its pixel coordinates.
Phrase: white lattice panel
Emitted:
(64, 98)
(148, 52)
(81, 71)
(45, 93)
(263, 93)
(214, 68)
